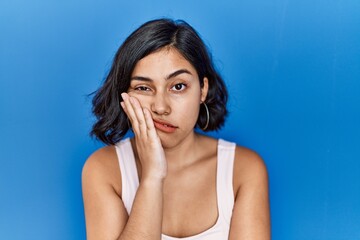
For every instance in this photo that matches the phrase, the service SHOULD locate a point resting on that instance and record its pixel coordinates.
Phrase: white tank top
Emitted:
(224, 187)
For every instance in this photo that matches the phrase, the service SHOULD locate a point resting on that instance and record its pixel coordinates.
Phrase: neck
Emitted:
(184, 153)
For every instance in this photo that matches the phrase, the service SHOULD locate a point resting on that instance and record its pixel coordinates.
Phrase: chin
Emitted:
(168, 141)
(171, 140)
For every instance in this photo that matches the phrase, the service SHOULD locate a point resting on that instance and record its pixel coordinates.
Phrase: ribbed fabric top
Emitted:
(224, 187)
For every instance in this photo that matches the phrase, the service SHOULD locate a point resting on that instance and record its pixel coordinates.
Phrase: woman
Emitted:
(168, 181)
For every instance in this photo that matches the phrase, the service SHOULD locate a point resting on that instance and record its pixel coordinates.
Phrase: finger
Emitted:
(123, 106)
(125, 110)
(139, 115)
(130, 112)
(151, 131)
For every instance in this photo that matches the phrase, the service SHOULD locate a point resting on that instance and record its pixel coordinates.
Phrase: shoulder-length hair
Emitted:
(111, 121)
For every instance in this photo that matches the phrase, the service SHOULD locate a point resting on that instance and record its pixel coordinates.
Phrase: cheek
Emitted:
(187, 109)
(144, 100)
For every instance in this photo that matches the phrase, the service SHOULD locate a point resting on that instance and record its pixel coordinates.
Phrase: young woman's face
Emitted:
(168, 85)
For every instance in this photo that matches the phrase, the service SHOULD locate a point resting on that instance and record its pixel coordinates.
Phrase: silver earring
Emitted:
(207, 117)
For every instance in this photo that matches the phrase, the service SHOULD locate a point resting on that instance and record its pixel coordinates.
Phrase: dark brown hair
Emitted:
(112, 122)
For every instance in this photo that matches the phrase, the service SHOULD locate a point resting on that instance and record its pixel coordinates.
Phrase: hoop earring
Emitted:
(207, 117)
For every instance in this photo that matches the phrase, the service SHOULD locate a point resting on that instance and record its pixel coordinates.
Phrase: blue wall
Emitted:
(293, 73)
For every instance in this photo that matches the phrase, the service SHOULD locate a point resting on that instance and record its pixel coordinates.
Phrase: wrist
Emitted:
(152, 181)
(153, 175)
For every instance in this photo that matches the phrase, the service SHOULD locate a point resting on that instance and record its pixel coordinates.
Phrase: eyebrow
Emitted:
(171, 75)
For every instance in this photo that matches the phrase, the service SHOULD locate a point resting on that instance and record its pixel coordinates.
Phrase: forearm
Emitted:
(145, 220)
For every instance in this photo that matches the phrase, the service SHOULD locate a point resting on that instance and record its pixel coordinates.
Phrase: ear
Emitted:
(204, 89)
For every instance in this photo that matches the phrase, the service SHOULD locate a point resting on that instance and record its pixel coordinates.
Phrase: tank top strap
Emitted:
(129, 175)
(224, 179)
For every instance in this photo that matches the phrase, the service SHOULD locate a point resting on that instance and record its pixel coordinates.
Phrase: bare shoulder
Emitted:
(105, 214)
(249, 168)
(102, 168)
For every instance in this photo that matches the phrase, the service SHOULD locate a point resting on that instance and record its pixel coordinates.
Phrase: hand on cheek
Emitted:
(148, 143)
(135, 113)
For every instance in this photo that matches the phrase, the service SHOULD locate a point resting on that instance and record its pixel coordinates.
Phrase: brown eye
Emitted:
(142, 88)
(179, 87)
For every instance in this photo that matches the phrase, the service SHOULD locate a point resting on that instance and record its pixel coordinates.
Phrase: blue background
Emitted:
(292, 69)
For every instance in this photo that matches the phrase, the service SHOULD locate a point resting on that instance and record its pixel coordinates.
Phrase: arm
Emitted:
(105, 213)
(106, 217)
(251, 217)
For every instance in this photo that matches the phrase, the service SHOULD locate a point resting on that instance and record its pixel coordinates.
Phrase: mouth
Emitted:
(164, 126)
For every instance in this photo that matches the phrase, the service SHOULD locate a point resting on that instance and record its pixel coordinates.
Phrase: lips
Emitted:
(164, 126)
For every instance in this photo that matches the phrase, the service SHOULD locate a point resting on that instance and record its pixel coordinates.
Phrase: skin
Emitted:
(177, 170)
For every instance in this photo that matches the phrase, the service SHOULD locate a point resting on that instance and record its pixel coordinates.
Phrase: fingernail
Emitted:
(123, 95)
(122, 104)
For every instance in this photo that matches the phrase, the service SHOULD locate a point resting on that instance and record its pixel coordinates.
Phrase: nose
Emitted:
(160, 104)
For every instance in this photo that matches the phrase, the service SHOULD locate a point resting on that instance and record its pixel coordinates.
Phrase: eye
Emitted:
(179, 87)
(142, 88)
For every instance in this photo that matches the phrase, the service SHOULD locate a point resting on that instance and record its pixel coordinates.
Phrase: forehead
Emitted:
(162, 62)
